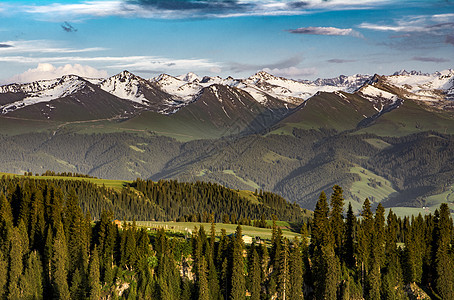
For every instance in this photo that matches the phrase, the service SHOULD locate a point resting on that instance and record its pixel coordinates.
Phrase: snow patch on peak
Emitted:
(378, 96)
(42, 91)
(425, 87)
(125, 85)
(406, 73)
(189, 77)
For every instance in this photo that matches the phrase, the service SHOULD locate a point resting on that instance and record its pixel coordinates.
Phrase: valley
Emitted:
(386, 138)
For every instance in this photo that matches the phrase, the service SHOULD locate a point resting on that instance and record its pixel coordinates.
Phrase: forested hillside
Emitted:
(148, 200)
(50, 250)
(298, 165)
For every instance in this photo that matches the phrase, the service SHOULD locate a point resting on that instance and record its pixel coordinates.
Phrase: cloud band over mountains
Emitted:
(181, 9)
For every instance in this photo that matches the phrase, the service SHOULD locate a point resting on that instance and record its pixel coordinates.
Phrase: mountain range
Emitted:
(388, 138)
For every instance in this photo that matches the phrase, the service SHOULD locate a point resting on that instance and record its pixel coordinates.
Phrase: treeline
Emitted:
(188, 201)
(162, 200)
(49, 250)
(62, 174)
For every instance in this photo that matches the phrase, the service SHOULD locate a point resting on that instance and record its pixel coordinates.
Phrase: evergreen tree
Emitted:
(296, 273)
(349, 247)
(3, 275)
(60, 265)
(255, 275)
(16, 253)
(284, 276)
(238, 280)
(336, 218)
(213, 281)
(321, 231)
(443, 255)
(77, 289)
(31, 284)
(94, 284)
(203, 290)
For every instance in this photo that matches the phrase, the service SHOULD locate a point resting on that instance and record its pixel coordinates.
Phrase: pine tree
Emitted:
(255, 275)
(296, 273)
(203, 290)
(31, 283)
(3, 275)
(94, 284)
(349, 248)
(321, 233)
(16, 253)
(213, 281)
(283, 276)
(77, 289)
(238, 280)
(443, 256)
(336, 218)
(365, 241)
(60, 265)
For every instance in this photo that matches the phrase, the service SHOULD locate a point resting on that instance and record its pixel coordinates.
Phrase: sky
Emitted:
(306, 39)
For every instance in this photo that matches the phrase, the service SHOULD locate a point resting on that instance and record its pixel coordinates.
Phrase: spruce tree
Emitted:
(32, 280)
(321, 227)
(3, 275)
(296, 273)
(284, 274)
(94, 284)
(16, 253)
(202, 281)
(349, 247)
(336, 218)
(443, 255)
(60, 265)
(255, 275)
(238, 280)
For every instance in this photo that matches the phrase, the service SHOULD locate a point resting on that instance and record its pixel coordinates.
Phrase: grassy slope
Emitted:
(263, 233)
(115, 184)
(329, 111)
(363, 190)
(411, 117)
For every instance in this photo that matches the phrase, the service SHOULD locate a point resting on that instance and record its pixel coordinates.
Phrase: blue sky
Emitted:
(296, 39)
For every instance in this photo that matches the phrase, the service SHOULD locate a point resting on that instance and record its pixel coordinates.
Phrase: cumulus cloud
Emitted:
(326, 31)
(283, 64)
(292, 72)
(430, 59)
(49, 71)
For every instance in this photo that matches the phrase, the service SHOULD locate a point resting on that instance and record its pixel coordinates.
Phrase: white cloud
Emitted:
(292, 72)
(159, 10)
(146, 64)
(41, 46)
(326, 31)
(415, 24)
(49, 71)
(90, 8)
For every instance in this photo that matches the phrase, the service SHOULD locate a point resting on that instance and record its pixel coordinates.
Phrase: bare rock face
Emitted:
(415, 292)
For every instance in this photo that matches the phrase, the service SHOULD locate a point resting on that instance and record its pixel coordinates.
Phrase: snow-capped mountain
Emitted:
(426, 87)
(167, 94)
(41, 91)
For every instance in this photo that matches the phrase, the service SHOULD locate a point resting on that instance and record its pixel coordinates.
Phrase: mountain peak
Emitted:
(189, 77)
(263, 75)
(407, 73)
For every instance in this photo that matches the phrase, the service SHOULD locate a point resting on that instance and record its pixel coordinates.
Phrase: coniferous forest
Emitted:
(51, 249)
